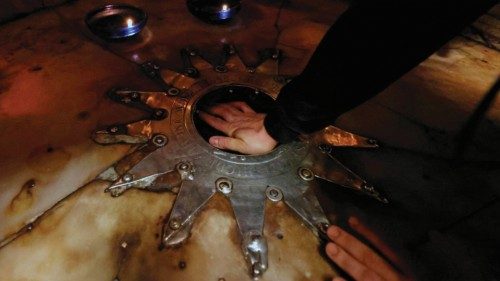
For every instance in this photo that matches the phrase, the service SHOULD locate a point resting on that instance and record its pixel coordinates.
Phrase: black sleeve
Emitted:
(370, 46)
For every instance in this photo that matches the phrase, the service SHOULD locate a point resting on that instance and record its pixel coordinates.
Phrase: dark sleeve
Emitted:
(370, 46)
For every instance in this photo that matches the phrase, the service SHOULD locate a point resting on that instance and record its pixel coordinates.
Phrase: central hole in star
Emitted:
(256, 99)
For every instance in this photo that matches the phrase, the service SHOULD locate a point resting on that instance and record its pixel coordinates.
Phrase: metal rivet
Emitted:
(174, 224)
(113, 129)
(306, 174)
(367, 187)
(274, 194)
(160, 112)
(127, 177)
(183, 166)
(124, 245)
(325, 148)
(160, 140)
(221, 68)
(173, 91)
(323, 226)
(192, 53)
(256, 271)
(134, 95)
(224, 185)
(250, 69)
(275, 56)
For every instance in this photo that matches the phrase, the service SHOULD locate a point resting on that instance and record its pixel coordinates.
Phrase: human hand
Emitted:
(244, 128)
(360, 261)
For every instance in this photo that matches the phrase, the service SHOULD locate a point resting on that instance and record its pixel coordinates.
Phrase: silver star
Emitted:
(172, 156)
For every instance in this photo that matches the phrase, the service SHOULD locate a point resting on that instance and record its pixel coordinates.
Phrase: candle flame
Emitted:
(225, 7)
(130, 22)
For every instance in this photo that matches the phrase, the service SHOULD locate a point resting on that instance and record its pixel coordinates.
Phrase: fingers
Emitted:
(227, 143)
(349, 264)
(230, 111)
(225, 111)
(242, 106)
(217, 123)
(362, 253)
(243, 127)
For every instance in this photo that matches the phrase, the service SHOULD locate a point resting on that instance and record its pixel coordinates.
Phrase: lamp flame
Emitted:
(130, 22)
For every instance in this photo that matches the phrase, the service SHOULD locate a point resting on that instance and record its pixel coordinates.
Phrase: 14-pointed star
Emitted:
(171, 155)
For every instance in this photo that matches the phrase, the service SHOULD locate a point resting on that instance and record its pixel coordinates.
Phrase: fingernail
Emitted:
(214, 141)
(333, 231)
(332, 248)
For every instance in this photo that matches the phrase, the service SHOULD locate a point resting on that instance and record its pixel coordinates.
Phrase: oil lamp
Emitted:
(114, 22)
(214, 11)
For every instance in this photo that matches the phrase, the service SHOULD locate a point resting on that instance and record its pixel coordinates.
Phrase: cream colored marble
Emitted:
(53, 80)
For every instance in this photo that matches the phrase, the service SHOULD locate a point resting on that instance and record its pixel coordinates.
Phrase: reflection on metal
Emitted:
(334, 136)
(172, 156)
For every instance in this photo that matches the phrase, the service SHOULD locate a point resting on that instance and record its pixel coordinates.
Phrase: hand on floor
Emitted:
(360, 261)
(244, 128)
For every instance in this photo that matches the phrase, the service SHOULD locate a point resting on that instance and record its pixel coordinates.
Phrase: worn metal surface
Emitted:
(172, 144)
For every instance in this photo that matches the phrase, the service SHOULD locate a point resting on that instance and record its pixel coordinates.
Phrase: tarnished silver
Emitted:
(160, 140)
(224, 185)
(255, 251)
(185, 170)
(173, 91)
(174, 224)
(274, 194)
(306, 174)
(171, 155)
(127, 177)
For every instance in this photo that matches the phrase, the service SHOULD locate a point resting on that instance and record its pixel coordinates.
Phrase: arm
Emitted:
(369, 47)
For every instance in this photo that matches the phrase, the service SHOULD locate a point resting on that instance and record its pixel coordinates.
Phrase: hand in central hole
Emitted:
(232, 118)
(243, 128)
